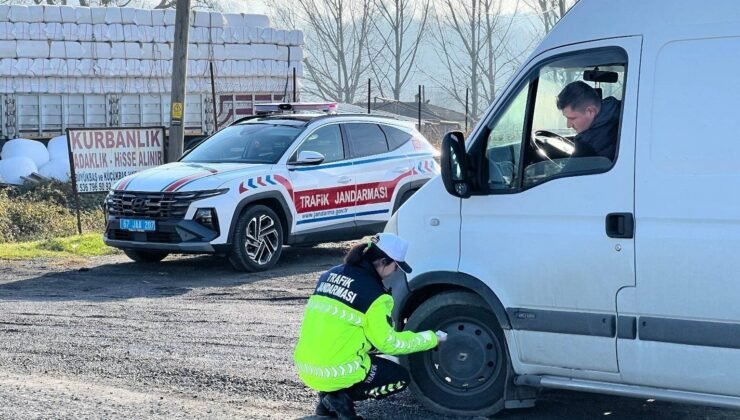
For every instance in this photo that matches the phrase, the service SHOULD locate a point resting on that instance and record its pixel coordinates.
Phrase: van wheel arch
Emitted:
(431, 284)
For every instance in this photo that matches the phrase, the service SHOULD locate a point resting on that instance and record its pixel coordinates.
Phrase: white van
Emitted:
(604, 274)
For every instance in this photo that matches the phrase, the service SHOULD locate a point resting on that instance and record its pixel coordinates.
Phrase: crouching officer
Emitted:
(348, 315)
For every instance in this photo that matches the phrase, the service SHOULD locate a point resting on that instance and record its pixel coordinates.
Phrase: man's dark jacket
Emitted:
(601, 138)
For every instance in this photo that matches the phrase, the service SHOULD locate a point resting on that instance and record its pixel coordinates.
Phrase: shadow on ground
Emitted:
(174, 276)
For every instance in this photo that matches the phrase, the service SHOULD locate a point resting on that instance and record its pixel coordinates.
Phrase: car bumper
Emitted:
(182, 236)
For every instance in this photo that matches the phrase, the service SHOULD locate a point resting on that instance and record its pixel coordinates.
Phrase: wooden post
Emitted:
(213, 94)
(179, 80)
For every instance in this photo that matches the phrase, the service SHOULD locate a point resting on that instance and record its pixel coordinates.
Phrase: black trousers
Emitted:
(384, 378)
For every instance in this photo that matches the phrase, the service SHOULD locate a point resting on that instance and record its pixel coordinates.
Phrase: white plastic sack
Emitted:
(133, 50)
(57, 148)
(35, 14)
(36, 31)
(4, 11)
(128, 15)
(169, 17)
(279, 37)
(201, 19)
(98, 15)
(52, 14)
(68, 14)
(256, 20)
(84, 15)
(52, 31)
(217, 35)
(32, 149)
(218, 20)
(143, 17)
(6, 31)
(235, 20)
(8, 49)
(14, 168)
(22, 30)
(58, 170)
(18, 14)
(32, 49)
(161, 51)
(157, 17)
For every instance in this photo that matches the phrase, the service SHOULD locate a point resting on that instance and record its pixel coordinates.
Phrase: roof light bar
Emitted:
(284, 108)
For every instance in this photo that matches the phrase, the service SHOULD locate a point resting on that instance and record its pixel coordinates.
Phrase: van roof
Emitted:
(590, 20)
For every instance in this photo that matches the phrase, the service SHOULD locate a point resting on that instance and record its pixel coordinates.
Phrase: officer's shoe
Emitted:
(321, 409)
(342, 404)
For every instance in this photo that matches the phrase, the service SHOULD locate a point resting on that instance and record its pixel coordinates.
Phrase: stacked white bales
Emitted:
(65, 49)
(22, 157)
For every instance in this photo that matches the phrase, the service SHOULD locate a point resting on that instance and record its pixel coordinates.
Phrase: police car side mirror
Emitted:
(308, 157)
(454, 163)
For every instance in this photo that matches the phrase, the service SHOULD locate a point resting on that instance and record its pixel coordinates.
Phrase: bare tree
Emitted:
(337, 33)
(399, 32)
(550, 11)
(473, 44)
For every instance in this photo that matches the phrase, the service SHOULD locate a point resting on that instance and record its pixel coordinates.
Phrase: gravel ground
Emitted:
(190, 338)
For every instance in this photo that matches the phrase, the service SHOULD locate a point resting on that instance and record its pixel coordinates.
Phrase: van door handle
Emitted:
(344, 180)
(620, 225)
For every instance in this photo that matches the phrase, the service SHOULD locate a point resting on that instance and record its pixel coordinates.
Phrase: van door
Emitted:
(550, 229)
(685, 306)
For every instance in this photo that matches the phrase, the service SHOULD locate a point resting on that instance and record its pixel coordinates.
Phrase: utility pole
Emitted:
(179, 80)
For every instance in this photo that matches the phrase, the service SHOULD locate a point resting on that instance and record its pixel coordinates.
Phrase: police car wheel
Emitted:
(146, 256)
(258, 240)
(466, 375)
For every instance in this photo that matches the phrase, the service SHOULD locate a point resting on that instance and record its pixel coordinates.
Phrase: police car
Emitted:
(269, 181)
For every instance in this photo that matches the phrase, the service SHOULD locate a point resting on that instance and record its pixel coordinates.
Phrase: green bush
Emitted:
(47, 211)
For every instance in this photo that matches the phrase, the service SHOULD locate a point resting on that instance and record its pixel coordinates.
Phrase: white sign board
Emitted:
(102, 156)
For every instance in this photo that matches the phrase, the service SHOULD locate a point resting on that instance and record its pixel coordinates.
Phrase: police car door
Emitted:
(379, 171)
(323, 193)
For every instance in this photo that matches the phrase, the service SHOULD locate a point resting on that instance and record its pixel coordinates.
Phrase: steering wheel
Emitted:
(552, 146)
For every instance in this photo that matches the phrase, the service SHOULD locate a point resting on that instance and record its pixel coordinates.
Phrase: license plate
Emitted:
(138, 225)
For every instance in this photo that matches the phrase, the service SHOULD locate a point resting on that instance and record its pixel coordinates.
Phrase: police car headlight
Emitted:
(392, 225)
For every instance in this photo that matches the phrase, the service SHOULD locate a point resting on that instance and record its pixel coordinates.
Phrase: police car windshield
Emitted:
(253, 142)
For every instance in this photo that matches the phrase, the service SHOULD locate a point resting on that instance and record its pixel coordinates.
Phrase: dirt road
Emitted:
(190, 338)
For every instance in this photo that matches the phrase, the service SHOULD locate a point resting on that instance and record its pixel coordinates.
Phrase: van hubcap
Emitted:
(262, 239)
(470, 358)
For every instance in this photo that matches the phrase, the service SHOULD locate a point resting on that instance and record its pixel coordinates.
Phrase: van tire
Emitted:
(146, 256)
(262, 251)
(477, 384)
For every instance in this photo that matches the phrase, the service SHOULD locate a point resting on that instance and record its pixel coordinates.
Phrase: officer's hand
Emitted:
(441, 336)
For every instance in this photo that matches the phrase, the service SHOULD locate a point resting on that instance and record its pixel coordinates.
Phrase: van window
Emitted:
(327, 141)
(564, 121)
(365, 139)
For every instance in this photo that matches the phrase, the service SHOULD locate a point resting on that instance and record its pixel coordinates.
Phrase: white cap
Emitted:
(394, 247)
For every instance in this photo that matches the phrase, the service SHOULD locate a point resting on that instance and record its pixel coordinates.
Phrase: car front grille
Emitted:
(153, 205)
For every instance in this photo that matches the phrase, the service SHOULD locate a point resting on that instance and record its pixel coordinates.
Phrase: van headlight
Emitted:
(392, 225)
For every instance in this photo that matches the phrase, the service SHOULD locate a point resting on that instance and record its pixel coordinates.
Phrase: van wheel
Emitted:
(258, 240)
(146, 256)
(465, 376)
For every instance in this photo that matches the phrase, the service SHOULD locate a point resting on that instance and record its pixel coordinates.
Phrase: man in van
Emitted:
(596, 122)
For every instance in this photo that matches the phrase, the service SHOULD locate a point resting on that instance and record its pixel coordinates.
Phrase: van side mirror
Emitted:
(454, 162)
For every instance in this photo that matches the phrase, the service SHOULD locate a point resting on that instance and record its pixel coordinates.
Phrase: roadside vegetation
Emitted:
(40, 221)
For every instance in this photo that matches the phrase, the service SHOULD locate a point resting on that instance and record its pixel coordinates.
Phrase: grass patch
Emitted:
(87, 245)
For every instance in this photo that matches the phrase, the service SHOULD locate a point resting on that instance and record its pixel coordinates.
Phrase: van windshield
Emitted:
(257, 142)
